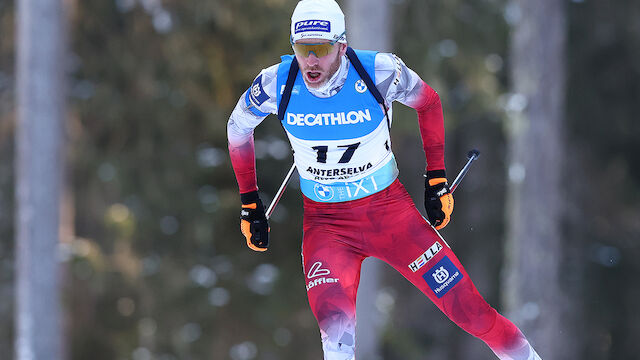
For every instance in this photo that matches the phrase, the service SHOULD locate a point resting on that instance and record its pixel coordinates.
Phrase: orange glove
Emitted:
(253, 222)
(438, 200)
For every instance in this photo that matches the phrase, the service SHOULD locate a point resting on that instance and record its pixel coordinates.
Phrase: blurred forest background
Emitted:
(153, 263)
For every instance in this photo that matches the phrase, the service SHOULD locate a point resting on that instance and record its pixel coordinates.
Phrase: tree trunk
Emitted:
(40, 109)
(369, 28)
(533, 295)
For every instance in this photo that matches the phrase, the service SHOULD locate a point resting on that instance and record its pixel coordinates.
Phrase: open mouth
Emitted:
(313, 75)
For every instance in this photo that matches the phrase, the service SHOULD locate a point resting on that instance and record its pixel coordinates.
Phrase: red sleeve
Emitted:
(431, 122)
(243, 160)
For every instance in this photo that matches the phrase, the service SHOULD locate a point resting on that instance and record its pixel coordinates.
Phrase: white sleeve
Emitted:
(395, 81)
(253, 106)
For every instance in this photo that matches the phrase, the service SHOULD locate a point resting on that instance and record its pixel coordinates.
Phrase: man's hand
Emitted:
(438, 200)
(253, 222)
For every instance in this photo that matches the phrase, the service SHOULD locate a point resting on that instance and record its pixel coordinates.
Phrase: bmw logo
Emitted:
(324, 193)
(361, 86)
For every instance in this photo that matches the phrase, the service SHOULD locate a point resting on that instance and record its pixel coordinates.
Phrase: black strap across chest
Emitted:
(364, 75)
(286, 94)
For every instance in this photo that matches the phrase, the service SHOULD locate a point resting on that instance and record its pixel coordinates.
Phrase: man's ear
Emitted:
(343, 49)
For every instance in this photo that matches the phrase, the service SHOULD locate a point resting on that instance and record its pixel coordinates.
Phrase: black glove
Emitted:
(438, 200)
(253, 222)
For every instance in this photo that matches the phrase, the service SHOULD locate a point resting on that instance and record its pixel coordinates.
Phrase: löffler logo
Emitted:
(316, 271)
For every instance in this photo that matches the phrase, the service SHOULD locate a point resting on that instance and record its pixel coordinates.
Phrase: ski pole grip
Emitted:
(473, 154)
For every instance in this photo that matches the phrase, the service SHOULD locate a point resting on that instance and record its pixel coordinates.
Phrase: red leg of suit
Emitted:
(386, 225)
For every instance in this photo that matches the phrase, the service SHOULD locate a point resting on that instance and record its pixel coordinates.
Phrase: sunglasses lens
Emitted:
(319, 50)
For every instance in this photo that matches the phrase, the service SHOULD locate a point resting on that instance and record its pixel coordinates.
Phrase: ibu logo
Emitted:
(257, 94)
(324, 193)
(442, 277)
(256, 90)
(312, 25)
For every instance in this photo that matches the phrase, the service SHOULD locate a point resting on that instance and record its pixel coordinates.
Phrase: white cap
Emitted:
(318, 19)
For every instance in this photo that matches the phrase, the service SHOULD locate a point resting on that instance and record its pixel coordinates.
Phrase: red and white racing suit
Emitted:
(338, 236)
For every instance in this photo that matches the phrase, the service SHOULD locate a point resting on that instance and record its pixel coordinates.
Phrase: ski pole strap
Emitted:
(286, 95)
(364, 75)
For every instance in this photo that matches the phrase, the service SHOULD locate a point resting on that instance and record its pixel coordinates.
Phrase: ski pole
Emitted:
(276, 198)
(471, 155)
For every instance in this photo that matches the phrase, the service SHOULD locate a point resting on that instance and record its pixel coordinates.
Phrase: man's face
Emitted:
(317, 70)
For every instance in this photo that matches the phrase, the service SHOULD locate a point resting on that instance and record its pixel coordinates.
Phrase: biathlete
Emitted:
(335, 105)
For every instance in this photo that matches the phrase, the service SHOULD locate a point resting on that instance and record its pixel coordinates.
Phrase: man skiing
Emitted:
(335, 105)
